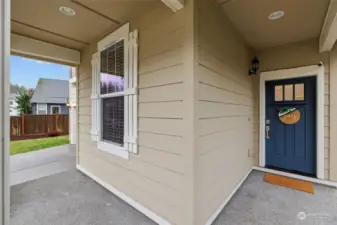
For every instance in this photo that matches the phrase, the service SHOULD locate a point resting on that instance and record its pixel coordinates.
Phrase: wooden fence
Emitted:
(36, 126)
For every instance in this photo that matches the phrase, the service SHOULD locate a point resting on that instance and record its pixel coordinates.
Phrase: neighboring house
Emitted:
(13, 111)
(50, 97)
(14, 92)
(172, 122)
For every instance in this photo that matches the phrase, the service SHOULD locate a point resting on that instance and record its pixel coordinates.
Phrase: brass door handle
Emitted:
(267, 132)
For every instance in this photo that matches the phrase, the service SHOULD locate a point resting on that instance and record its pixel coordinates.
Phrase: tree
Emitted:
(24, 104)
(15, 88)
(30, 91)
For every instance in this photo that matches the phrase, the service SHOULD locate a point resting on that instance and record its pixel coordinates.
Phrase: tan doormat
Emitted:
(290, 183)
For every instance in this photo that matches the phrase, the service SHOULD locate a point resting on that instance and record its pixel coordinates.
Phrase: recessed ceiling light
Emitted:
(276, 15)
(67, 11)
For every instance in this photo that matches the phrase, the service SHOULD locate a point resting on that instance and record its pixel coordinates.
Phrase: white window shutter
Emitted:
(131, 134)
(94, 96)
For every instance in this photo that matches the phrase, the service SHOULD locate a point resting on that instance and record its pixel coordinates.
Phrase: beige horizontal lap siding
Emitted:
(227, 110)
(297, 55)
(155, 176)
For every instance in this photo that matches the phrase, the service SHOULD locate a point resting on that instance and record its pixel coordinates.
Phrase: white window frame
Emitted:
(39, 107)
(129, 93)
(55, 106)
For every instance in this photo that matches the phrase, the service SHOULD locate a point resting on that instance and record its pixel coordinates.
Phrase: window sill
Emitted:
(113, 149)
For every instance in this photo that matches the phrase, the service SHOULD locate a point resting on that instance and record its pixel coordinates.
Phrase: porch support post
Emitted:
(329, 30)
(4, 110)
(175, 5)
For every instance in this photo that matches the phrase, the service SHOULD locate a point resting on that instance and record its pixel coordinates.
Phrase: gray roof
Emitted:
(51, 91)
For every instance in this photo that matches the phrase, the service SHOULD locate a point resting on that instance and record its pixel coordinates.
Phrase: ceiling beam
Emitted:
(47, 31)
(175, 5)
(30, 47)
(329, 31)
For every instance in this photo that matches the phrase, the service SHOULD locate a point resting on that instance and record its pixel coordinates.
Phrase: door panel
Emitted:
(291, 144)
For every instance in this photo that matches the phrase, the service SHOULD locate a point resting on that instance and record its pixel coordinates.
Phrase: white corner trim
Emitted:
(113, 149)
(222, 206)
(296, 176)
(314, 70)
(328, 34)
(147, 212)
(175, 5)
(117, 35)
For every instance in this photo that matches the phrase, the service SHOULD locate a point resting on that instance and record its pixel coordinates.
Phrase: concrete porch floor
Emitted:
(48, 190)
(72, 198)
(260, 203)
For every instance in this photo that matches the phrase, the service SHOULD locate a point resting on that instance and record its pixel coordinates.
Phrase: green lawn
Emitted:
(17, 147)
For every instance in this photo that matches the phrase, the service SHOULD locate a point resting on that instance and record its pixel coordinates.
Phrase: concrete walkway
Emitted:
(34, 165)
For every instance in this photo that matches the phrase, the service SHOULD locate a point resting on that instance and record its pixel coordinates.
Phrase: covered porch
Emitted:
(178, 101)
(73, 198)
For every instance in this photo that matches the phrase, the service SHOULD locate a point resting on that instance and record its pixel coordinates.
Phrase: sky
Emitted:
(26, 72)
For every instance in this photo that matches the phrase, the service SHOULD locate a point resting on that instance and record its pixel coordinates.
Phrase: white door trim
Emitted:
(315, 70)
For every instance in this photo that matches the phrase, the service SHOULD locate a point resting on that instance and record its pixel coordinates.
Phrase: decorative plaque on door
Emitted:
(289, 115)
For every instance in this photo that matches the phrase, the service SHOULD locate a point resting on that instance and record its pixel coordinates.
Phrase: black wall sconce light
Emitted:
(255, 67)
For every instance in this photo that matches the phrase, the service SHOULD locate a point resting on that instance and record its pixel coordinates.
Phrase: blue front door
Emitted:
(291, 125)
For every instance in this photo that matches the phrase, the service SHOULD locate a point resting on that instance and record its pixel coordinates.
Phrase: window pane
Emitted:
(279, 93)
(55, 110)
(299, 92)
(113, 119)
(112, 69)
(288, 92)
(42, 112)
(42, 106)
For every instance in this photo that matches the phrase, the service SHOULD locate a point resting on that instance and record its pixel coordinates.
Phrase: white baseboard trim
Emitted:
(125, 198)
(222, 206)
(296, 176)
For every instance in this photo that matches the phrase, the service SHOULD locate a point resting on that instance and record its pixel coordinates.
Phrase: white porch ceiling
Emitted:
(303, 20)
(42, 20)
